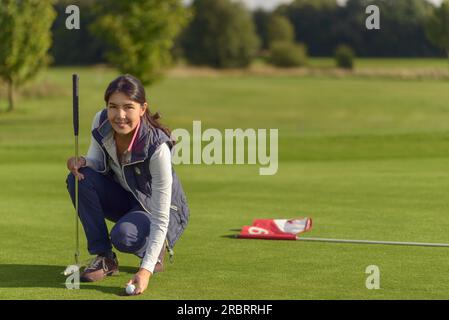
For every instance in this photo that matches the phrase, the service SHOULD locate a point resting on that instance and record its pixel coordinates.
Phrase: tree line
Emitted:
(321, 25)
(144, 37)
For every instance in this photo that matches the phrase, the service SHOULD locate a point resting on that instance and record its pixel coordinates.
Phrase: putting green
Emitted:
(365, 158)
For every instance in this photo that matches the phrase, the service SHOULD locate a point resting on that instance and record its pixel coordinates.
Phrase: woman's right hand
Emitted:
(73, 166)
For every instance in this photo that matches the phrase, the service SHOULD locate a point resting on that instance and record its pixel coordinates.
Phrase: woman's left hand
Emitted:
(140, 280)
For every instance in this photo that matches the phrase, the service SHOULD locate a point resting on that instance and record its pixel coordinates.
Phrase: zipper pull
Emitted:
(171, 253)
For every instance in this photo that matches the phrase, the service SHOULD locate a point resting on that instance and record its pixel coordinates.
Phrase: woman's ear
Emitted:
(143, 109)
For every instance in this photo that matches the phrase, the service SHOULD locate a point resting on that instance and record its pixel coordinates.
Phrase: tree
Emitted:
(260, 18)
(322, 25)
(279, 29)
(402, 30)
(313, 22)
(317, 4)
(141, 34)
(221, 35)
(25, 38)
(437, 27)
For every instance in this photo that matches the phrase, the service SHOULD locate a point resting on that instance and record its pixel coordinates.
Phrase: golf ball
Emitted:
(130, 289)
(71, 269)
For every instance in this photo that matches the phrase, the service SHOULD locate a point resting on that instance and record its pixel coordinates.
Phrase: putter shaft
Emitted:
(76, 207)
(75, 80)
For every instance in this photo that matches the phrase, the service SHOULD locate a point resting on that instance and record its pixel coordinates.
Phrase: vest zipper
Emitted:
(124, 178)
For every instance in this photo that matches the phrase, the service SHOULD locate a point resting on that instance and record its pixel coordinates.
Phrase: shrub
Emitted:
(288, 54)
(344, 57)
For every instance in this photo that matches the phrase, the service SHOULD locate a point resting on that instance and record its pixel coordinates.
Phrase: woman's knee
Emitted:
(130, 236)
(124, 237)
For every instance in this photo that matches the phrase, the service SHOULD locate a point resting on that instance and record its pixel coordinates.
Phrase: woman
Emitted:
(127, 177)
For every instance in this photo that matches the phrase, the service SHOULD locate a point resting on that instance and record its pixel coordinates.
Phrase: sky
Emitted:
(271, 4)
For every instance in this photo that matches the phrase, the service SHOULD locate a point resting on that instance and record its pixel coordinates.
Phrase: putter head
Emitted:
(71, 269)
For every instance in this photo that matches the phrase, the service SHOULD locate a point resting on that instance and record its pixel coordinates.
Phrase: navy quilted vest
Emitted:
(138, 176)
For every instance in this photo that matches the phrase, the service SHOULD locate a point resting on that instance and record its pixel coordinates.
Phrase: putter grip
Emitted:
(75, 79)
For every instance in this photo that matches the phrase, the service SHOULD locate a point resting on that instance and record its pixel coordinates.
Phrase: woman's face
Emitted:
(123, 113)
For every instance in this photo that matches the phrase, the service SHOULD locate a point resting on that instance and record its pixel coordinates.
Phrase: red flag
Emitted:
(276, 229)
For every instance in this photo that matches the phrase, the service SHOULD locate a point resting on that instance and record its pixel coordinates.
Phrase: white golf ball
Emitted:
(71, 269)
(130, 289)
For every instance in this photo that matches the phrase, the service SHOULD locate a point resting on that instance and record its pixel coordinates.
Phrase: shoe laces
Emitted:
(96, 262)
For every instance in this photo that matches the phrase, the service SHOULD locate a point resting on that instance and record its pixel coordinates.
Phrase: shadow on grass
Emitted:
(230, 236)
(50, 276)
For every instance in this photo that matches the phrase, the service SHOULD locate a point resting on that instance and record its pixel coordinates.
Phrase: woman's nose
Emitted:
(121, 113)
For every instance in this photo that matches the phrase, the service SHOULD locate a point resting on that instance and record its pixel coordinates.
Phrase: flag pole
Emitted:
(420, 244)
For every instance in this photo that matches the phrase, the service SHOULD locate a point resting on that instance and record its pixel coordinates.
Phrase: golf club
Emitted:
(75, 79)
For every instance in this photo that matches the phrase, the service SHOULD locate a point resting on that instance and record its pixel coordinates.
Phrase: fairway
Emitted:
(365, 158)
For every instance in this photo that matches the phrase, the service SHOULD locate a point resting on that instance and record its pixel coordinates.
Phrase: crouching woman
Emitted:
(127, 178)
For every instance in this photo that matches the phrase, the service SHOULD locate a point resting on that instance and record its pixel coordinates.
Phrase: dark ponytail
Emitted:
(134, 90)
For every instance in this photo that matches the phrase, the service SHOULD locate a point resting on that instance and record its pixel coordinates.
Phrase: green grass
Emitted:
(387, 63)
(370, 63)
(365, 158)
